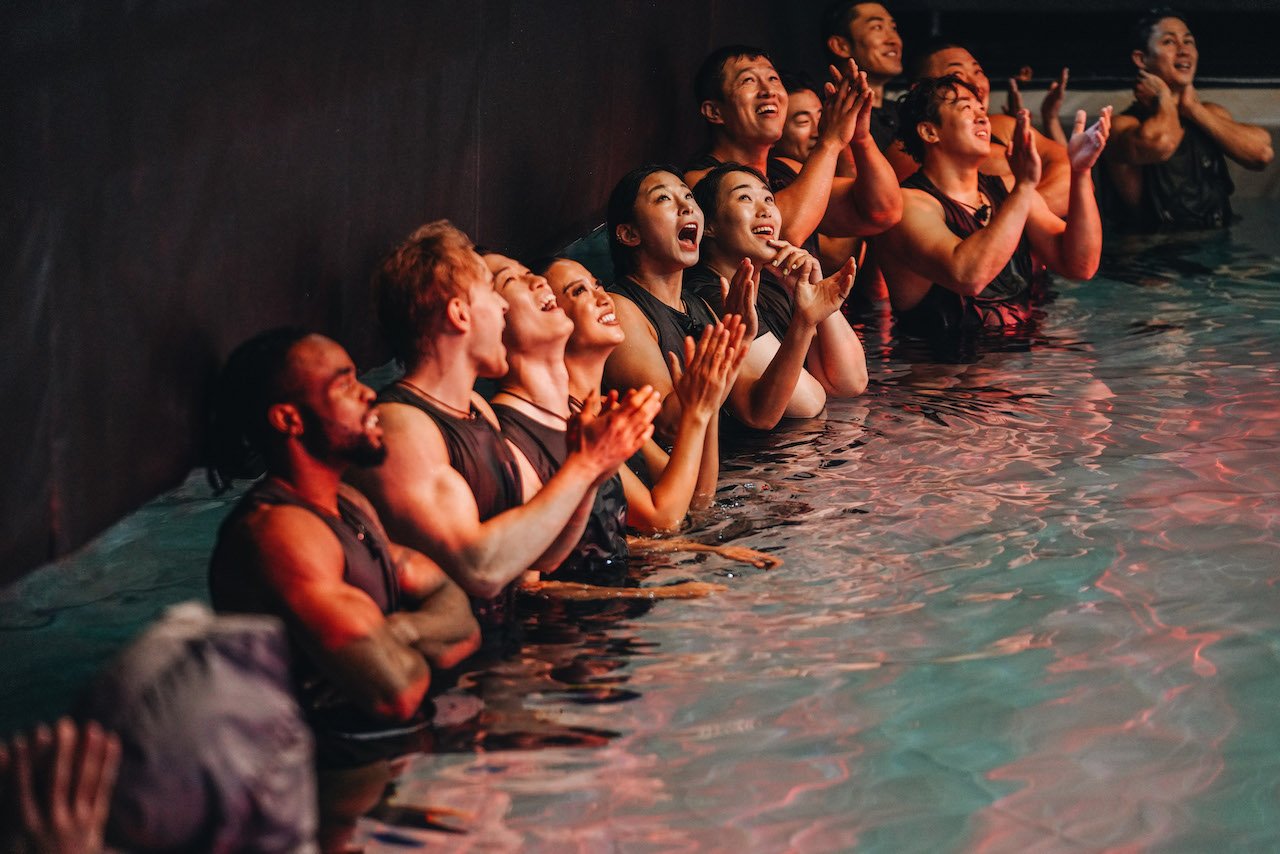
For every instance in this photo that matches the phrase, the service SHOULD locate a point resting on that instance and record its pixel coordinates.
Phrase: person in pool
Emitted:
(946, 57)
(655, 227)
(369, 618)
(451, 486)
(960, 260)
(867, 34)
(538, 396)
(797, 309)
(1167, 164)
(744, 104)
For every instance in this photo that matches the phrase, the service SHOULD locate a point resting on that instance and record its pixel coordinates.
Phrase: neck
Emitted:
(877, 85)
(447, 375)
(956, 178)
(540, 377)
(313, 480)
(746, 152)
(585, 370)
(724, 264)
(664, 281)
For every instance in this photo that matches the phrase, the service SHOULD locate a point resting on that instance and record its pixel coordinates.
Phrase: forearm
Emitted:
(442, 628)
(764, 401)
(569, 538)
(381, 674)
(1156, 138)
(876, 195)
(704, 492)
(674, 489)
(1248, 145)
(804, 203)
(1081, 243)
(667, 425)
(837, 359)
(1055, 183)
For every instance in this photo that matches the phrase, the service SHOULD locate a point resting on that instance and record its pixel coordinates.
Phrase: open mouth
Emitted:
(767, 110)
(608, 319)
(372, 424)
(765, 231)
(1182, 66)
(688, 235)
(548, 303)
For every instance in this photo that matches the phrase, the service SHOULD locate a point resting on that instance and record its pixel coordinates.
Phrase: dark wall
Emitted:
(183, 174)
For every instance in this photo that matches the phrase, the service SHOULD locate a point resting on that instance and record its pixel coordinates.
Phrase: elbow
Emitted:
(808, 400)
(462, 649)
(888, 215)
(1261, 161)
(402, 698)
(854, 385)
(662, 521)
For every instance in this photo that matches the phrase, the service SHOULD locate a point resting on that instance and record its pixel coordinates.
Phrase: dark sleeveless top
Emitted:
(780, 177)
(1190, 190)
(367, 566)
(605, 539)
(884, 124)
(1005, 302)
(671, 325)
(478, 453)
(773, 303)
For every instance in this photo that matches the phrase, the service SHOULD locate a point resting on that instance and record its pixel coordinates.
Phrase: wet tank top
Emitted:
(1190, 190)
(604, 539)
(671, 325)
(773, 303)
(1005, 302)
(477, 452)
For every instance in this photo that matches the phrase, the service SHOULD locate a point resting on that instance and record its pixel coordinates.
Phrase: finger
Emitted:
(89, 758)
(106, 777)
(1062, 81)
(836, 76)
(724, 289)
(1081, 118)
(22, 781)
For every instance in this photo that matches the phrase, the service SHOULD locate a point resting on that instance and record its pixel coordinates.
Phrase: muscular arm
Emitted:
(836, 359)
(774, 383)
(1074, 248)
(301, 563)
(1248, 145)
(1154, 139)
(1055, 178)
(428, 505)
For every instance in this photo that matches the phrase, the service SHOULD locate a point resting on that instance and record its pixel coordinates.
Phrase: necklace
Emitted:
(575, 405)
(982, 213)
(469, 414)
(536, 406)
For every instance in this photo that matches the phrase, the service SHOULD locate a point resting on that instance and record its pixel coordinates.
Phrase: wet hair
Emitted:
(707, 192)
(1146, 25)
(921, 103)
(708, 83)
(916, 70)
(255, 377)
(798, 81)
(622, 210)
(413, 286)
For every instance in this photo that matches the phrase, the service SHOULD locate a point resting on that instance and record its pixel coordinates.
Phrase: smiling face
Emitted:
(800, 133)
(1171, 53)
(486, 311)
(746, 218)
(874, 42)
(587, 304)
(958, 61)
(666, 225)
(533, 316)
(339, 423)
(963, 127)
(753, 106)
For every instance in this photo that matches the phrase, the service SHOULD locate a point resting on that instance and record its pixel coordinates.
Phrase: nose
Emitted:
(367, 394)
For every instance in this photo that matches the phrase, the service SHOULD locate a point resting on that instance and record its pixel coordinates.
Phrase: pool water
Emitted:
(1027, 603)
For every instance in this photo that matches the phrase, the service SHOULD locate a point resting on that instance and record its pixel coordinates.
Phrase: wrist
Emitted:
(827, 147)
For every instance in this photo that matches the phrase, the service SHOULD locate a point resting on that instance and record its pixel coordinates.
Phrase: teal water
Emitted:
(1028, 603)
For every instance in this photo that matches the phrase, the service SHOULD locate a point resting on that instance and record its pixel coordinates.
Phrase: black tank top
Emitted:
(1190, 190)
(604, 540)
(773, 303)
(367, 566)
(478, 453)
(1005, 302)
(671, 325)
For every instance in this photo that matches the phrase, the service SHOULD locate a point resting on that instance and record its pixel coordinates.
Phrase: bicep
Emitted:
(1044, 229)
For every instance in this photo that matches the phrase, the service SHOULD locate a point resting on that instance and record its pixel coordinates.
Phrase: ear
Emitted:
(928, 131)
(285, 419)
(1140, 59)
(711, 112)
(627, 234)
(839, 45)
(708, 230)
(458, 313)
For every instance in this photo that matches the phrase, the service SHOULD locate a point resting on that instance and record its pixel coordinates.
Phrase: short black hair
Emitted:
(1146, 25)
(937, 44)
(622, 209)
(708, 83)
(253, 379)
(837, 17)
(799, 81)
(920, 103)
(707, 191)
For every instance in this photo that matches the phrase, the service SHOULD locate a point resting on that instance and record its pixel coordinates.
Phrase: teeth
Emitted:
(610, 317)
(762, 229)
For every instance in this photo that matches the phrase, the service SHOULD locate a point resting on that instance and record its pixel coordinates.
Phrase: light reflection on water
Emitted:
(1027, 603)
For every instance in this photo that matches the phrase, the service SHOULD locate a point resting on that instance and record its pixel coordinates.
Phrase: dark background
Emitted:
(179, 175)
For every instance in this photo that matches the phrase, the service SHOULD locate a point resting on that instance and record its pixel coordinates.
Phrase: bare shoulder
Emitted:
(920, 203)
(401, 422)
(291, 544)
(693, 176)
(1218, 110)
(1001, 124)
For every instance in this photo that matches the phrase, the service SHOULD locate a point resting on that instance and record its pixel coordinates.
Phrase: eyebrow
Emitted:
(572, 283)
(653, 190)
(740, 187)
(348, 370)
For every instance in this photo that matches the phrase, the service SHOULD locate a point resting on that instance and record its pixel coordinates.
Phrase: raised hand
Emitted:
(1024, 160)
(61, 781)
(1014, 102)
(842, 108)
(701, 384)
(792, 264)
(1150, 90)
(609, 433)
(817, 299)
(1188, 101)
(1086, 145)
(739, 295)
(1052, 103)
